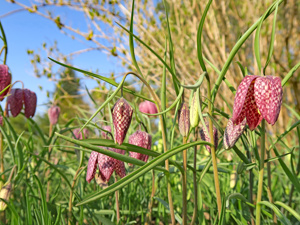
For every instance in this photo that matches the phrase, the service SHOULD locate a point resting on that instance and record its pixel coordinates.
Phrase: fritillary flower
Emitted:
(148, 107)
(184, 120)
(5, 80)
(53, 114)
(105, 134)
(206, 137)
(78, 135)
(233, 132)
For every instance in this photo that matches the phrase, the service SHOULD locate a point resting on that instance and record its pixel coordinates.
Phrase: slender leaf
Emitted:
(278, 213)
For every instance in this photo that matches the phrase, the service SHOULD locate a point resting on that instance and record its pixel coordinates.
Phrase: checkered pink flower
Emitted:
(206, 137)
(233, 132)
(184, 120)
(148, 107)
(257, 98)
(78, 135)
(141, 139)
(18, 98)
(106, 165)
(53, 114)
(5, 80)
(121, 116)
(104, 134)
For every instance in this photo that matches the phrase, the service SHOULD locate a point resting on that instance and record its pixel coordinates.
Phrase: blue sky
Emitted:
(26, 30)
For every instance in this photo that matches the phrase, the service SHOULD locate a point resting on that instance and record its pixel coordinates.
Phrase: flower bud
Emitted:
(184, 120)
(53, 114)
(148, 107)
(121, 116)
(30, 100)
(194, 112)
(206, 137)
(5, 194)
(141, 139)
(5, 80)
(233, 132)
(240, 168)
(104, 134)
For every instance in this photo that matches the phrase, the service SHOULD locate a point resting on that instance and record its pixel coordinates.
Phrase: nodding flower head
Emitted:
(104, 134)
(19, 97)
(206, 137)
(53, 114)
(184, 120)
(148, 107)
(233, 132)
(121, 116)
(5, 80)
(257, 98)
(78, 135)
(141, 139)
(106, 165)
(194, 111)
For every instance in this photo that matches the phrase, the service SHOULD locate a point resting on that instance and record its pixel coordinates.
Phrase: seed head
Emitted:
(184, 120)
(5, 80)
(53, 114)
(121, 116)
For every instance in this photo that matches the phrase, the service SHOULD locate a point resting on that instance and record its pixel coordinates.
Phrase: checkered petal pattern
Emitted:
(184, 120)
(5, 80)
(53, 114)
(104, 134)
(106, 165)
(268, 95)
(206, 137)
(15, 102)
(92, 166)
(120, 169)
(148, 107)
(194, 113)
(121, 115)
(30, 100)
(141, 139)
(233, 132)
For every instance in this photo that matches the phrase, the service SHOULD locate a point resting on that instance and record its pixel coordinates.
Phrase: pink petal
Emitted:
(233, 132)
(15, 101)
(120, 169)
(252, 113)
(92, 166)
(184, 120)
(239, 110)
(106, 166)
(53, 114)
(206, 137)
(30, 100)
(104, 134)
(148, 107)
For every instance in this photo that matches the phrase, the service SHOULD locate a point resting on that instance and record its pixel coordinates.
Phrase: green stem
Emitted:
(213, 151)
(261, 173)
(184, 185)
(117, 202)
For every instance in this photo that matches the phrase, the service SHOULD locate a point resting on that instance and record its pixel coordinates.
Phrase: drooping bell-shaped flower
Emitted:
(206, 137)
(104, 134)
(257, 98)
(30, 100)
(121, 116)
(184, 120)
(233, 132)
(148, 107)
(53, 114)
(106, 165)
(141, 139)
(78, 135)
(5, 80)
(194, 111)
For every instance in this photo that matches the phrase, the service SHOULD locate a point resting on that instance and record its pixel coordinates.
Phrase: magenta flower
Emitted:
(78, 135)
(5, 80)
(53, 114)
(106, 165)
(257, 98)
(105, 134)
(206, 137)
(233, 132)
(184, 120)
(121, 116)
(141, 139)
(148, 107)
(18, 98)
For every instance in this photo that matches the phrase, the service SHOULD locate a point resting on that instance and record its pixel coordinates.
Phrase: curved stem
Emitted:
(261, 173)
(213, 151)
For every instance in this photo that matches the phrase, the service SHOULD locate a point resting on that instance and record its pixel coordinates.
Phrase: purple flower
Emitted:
(105, 134)
(257, 98)
(18, 98)
(141, 139)
(184, 120)
(232, 133)
(206, 137)
(78, 134)
(106, 165)
(148, 107)
(53, 114)
(121, 116)
(5, 80)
